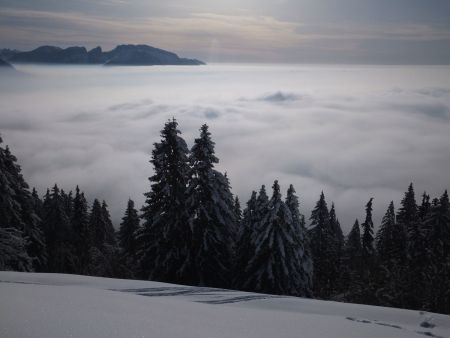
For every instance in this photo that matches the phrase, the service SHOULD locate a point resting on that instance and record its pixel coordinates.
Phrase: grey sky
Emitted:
(347, 31)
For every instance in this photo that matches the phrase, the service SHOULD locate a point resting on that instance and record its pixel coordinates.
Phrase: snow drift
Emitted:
(57, 305)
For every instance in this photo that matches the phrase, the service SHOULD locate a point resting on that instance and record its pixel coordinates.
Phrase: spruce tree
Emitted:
(237, 211)
(368, 257)
(302, 237)
(83, 232)
(17, 214)
(425, 207)
(128, 244)
(352, 265)
(213, 217)
(59, 234)
(322, 241)
(104, 252)
(337, 243)
(165, 240)
(293, 205)
(98, 225)
(244, 248)
(368, 248)
(262, 203)
(438, 272)
(110, 232)
(391, 289)
(279, 264)
(415, 249)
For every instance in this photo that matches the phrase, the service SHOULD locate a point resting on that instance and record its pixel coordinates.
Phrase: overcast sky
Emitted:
(339, 31)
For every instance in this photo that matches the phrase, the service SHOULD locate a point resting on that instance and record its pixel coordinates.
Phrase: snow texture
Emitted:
(57, 305)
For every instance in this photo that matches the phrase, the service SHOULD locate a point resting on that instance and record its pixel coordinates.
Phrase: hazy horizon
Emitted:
(293, 31)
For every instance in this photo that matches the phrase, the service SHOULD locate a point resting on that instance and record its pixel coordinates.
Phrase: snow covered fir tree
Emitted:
(192, 230)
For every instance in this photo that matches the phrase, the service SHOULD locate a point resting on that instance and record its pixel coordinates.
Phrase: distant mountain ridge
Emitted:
(136, 55)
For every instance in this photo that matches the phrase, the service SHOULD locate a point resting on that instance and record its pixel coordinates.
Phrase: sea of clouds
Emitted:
(354, 132)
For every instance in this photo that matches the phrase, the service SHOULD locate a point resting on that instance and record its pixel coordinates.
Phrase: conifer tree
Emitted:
(17, 215)
(104, 252)
(352, 263)
(368, 257)
(322, 241)
(293, 205)
(337, 243)
(391, 289)
(262, 203)
(36, 203)
(302, 238)
(213, 218)
(368, 248)
(415, 249)
(385, 242)
(58, 233)
(166, 237)
(244, 248)
(127, 238)
(83, 232)
(279, 265)
(438, 272)
(67, 200)
(98, 225)
(425, 207)
(237, 211)
(110, 232)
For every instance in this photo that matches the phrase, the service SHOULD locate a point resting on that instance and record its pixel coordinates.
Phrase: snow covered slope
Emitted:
(57, 305)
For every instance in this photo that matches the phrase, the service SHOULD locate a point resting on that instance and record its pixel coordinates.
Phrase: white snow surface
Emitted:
(57, 305)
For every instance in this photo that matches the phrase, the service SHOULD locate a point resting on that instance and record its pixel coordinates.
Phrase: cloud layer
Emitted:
(354, 132)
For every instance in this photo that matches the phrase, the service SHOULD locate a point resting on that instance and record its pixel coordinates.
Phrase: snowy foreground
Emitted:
(57, 305)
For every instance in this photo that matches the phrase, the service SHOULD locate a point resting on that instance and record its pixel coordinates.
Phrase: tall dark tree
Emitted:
(98, 225)
(104, 252)
(83, 232)
(67, 200)
(237, 210)
(323, 249)
(166, 237)
(368, 257)
(415, 249)
(294, 206)
(425, 207)
(438, 272)
(110, 232)
(385, 242)
(127, 238)
(213, 218)
(302, 239)
(352, 265)
(279, 265)
(262, 204)
(18, 216)
(338, 243)
(36, 203)
(391, 289)
(59, 234)
(244, 248)
(368, 247)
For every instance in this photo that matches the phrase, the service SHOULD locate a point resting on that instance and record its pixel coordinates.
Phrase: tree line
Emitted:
(191, 230)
